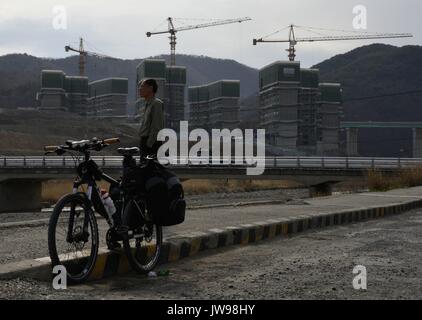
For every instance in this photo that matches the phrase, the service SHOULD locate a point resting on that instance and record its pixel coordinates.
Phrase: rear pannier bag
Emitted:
(165, 197)
(177, 204)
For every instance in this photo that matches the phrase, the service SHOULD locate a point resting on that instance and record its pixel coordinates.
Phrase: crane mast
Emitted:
(83, 54)
(172, 42)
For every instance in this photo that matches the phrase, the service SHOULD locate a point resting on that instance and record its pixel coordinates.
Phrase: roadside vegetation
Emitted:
(230, 185)
(52, 190)
(405, 178)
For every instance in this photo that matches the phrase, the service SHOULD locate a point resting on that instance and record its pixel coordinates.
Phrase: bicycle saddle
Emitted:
(128, 151)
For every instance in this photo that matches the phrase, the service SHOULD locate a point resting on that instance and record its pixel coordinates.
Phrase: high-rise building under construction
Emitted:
(300, 115)
(171, 82)
(198, 97)
(105, 97)
(76, 88)
(150, 69)
(215, 105)
(108, 97)
(309, 96)
(329, 115)
(59, 91)
(52, 94)
(279, 85)
(175, 88)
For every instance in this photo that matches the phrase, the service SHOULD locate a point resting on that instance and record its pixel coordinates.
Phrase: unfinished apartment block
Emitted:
(76, 88)
(171, 82)
(309, 96)
(330, 113)
(301, 116)
(52, 95)
(108, 97)
(174, 103)
(215, 105)
(279, 85)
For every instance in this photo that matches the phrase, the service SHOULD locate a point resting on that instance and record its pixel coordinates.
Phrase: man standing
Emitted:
(153, 120)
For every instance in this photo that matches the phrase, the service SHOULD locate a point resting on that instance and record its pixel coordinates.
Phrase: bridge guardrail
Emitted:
(270, 162)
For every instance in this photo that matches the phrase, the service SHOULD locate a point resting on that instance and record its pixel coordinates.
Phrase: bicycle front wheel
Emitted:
(73, 237)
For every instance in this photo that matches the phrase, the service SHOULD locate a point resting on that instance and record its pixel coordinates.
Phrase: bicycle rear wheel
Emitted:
(142, 244)
(73, 237)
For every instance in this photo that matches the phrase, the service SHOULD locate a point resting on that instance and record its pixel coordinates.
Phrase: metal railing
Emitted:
(270, 162)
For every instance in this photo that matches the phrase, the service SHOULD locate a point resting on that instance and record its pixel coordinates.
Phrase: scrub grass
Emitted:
(405, 178)
(52, 190)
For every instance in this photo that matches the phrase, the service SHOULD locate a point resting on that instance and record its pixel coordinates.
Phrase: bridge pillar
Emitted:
(352, 142)
(322, 189)
(20, 195)
(417, 143)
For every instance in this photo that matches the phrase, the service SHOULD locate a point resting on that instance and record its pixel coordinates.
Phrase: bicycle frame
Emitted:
(92, 195)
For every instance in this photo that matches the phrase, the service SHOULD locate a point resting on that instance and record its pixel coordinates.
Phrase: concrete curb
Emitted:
(112, 263)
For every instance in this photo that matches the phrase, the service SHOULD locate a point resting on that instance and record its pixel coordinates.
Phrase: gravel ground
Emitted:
(31, 242)
(23, 216)
(313, 265)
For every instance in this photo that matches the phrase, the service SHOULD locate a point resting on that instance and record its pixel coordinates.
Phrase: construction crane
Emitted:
(292, 40)
(83, 54)
(172, 31)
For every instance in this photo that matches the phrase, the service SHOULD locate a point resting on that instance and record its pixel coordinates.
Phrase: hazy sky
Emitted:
(117, 28)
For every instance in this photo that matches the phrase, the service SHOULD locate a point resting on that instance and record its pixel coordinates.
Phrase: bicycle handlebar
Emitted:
(81, 146)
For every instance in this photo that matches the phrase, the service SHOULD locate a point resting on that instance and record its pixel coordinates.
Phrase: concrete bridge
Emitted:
(21, 177)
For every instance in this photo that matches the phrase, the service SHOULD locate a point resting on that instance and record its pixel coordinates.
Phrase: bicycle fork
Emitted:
(84, 237)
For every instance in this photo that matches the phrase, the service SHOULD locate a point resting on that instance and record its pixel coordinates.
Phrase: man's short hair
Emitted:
(152, 83)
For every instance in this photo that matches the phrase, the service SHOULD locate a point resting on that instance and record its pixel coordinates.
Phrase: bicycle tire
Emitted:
(52, 245)
(130, 252)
